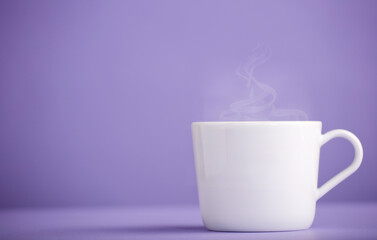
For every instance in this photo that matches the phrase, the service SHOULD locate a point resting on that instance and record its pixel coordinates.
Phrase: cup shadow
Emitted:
(152, 229)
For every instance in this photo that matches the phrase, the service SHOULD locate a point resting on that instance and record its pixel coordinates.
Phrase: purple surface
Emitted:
(97, 97)
(333, 221)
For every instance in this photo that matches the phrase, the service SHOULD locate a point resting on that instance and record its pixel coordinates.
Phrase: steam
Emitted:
(259, 105)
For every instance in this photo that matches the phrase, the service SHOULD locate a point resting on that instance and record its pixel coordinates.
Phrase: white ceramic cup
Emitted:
(262, 176)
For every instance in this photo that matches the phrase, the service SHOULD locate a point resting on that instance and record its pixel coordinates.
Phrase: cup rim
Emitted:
(257, 122)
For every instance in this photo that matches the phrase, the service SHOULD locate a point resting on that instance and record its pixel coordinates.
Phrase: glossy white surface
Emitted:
(262, 176)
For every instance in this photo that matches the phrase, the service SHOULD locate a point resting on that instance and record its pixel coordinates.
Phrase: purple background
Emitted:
(97, 97)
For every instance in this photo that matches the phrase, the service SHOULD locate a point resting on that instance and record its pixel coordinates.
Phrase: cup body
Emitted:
(257, 176)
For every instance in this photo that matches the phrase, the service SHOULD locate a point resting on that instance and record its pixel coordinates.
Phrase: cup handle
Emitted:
(330, 184)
